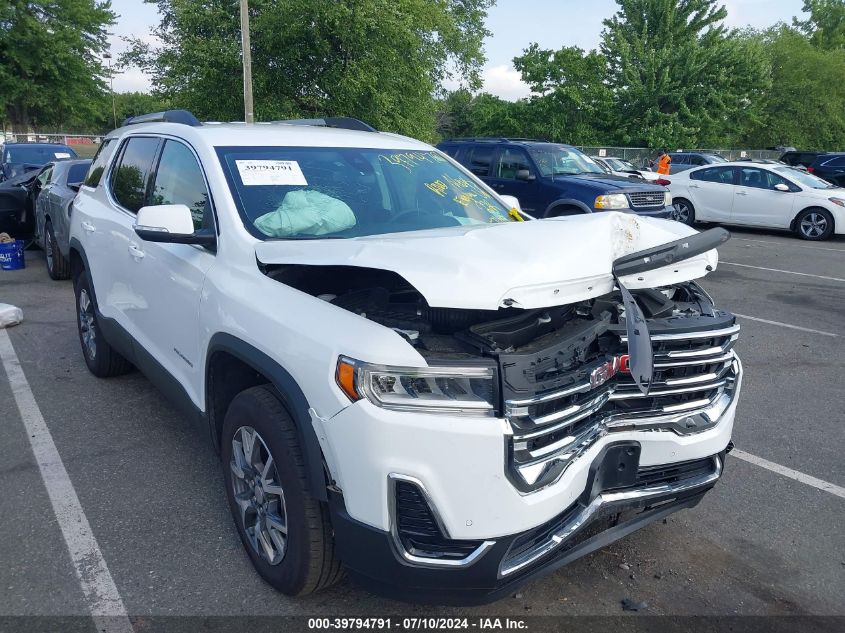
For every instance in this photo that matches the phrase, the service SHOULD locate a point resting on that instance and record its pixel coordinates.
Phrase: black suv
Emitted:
(681, 161)
(550, 179)
(831, 167)
(799, 159)
(18, 158)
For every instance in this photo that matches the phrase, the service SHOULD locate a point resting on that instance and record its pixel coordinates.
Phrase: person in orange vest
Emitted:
(663, 163)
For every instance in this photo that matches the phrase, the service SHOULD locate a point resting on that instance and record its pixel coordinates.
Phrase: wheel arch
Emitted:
(793, 224)
(566, 203)
(233, 365)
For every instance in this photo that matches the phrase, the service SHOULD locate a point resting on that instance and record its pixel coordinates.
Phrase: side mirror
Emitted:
(512, 202)
(781, 187)
(524, 174)
(171, 224)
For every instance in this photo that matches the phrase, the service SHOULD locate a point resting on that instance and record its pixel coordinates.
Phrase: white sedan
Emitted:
(776, 196)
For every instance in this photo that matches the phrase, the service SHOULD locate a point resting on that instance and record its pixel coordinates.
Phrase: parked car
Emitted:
(776, 196)
(401, 374)
(551, 180)
(795, 158)
(18, 158)
(625, 168)
(681, 161)
(830, 167)
(58, 183)
(17, 204)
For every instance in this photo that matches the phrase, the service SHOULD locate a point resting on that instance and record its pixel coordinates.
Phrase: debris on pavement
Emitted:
(10, 315)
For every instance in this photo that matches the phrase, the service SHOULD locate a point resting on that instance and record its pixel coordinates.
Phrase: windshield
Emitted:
(621, 165)
(803, 178)
(315, 192)
(37, 154)
(716, 158)
(559, 160)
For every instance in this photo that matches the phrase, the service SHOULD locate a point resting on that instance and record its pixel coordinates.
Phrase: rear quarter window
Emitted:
(95, 171)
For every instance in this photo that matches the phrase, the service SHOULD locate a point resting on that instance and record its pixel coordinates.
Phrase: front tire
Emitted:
(285, 531)
(100, 357)
(57, 266)
(683, 211)
(814, 224)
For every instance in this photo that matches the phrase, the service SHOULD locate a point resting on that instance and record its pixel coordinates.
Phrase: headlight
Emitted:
(667, 199)
(838, 201)
(612, 201)
(456, 390)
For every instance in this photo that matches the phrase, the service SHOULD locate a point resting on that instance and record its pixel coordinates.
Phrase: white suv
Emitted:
(403, 374)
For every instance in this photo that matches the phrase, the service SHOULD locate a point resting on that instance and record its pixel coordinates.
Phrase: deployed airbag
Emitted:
(306, 212)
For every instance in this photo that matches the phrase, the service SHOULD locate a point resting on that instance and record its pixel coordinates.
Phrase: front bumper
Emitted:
(604, 514)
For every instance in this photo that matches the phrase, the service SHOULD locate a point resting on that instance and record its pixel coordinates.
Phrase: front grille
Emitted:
(695, 374)
(646, 199)
(418, 529)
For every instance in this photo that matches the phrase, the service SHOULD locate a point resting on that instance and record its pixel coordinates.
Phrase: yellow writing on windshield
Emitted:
(439, 187)
(409, 160)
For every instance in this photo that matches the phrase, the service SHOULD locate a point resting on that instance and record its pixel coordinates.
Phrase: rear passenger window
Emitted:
(95, 172)
(722, 175)
(129, 178)
(179, 180)
(479, 160)
(510, 162)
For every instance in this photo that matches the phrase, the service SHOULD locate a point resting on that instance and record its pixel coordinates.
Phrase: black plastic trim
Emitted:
(567, 202)
(670, 253)
(291, 395)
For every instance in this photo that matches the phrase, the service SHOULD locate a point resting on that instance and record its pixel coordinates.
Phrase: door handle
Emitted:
(136, 252)
(90, 228)
(741, 193)
(694, 187)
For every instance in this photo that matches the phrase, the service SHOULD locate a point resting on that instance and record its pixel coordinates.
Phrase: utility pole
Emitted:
(247, 57)
(111, 88)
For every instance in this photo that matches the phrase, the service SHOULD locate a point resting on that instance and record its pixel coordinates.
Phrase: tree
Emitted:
(379, 60)
(679, 78)
(571, 100)
(826, 25)
(50, 71)
(805, 106)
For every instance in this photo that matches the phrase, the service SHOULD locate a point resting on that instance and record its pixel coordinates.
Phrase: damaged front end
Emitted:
(657, 359)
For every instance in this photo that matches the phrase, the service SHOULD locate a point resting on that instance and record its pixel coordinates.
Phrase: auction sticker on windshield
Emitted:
(270, 172)
(62, 154)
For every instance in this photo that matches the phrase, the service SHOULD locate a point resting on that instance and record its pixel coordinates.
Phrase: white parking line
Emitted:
(778, 323)
(833, 489)
(103, 600)
(785, 243)
(788, 272)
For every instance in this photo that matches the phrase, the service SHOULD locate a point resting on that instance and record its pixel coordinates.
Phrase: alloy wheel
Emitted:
(680, 212)
(87, 326)
(48, 250)
(259, 495)
(813, 224)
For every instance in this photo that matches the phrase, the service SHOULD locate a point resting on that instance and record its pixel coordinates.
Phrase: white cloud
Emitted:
(132, 80)
(504, 81)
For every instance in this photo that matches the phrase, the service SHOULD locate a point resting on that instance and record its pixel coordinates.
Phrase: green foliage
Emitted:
(379, 60)
(50, 72)
(805, 106)
(826, 25)
(679, 78)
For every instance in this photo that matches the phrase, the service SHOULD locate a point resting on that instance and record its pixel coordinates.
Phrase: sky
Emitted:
(514, 24)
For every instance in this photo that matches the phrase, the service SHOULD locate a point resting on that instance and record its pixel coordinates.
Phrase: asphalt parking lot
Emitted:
(768, 540)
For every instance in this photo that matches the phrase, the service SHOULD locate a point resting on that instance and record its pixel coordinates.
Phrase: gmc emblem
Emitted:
(608, 370)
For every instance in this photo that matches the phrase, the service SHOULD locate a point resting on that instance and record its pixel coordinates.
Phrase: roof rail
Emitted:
(168, 116)
(340, 122)
(495, 139)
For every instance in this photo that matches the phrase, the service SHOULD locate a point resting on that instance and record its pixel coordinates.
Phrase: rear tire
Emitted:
(57, 266)
(683, 211)
(285, 531)
(814, 224)
(102, 360)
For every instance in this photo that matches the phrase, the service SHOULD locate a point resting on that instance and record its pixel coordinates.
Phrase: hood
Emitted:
(608, 182)
(533, 264)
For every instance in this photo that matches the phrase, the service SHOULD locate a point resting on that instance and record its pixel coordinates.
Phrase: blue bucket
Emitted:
(11, 255)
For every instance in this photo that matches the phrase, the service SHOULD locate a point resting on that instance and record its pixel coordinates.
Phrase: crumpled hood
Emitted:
(521, 264)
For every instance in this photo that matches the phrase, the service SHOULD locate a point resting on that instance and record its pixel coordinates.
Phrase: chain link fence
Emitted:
(83, 144)
(641, 155)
